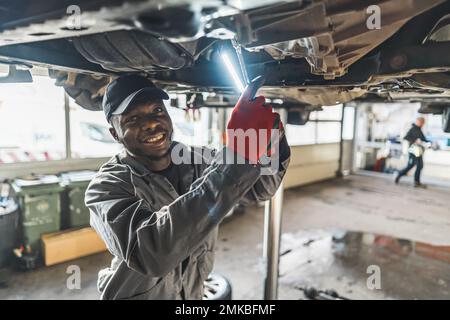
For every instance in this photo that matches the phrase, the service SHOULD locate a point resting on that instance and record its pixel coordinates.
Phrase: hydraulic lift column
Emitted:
(271, 248)
(273, 210)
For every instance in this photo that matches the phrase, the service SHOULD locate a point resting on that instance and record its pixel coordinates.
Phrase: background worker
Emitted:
(416, 140)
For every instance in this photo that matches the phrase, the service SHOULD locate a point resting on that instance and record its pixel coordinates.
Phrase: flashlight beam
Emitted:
(232, 71)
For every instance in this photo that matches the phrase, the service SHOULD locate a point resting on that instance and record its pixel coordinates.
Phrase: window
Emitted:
(324, 127)
(328, 113)
(189, 127)
(349, 123)
(301, 135)
(32, 121)
(89, 134)
(96, 132)
(328, 132)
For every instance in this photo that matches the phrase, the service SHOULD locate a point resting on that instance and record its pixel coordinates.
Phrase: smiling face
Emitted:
(145, 130)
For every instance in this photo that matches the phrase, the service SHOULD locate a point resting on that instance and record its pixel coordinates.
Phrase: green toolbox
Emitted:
(39, 201)
(74, 212)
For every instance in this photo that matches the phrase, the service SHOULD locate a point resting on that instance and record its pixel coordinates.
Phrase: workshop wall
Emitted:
(312, 163)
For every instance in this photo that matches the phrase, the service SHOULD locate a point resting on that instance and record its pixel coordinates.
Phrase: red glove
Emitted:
(251, 116)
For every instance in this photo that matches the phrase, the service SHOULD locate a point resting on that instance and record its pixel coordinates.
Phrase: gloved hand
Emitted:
(251, 115)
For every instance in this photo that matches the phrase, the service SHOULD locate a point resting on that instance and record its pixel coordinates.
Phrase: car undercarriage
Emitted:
(312, 53)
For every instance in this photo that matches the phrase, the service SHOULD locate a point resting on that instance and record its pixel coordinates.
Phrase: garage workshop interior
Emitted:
(224, 150)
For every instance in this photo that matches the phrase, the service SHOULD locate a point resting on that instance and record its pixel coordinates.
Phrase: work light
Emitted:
(232, 71)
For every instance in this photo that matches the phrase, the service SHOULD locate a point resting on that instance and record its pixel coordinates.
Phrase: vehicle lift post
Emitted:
(271, 249)
(272, 216)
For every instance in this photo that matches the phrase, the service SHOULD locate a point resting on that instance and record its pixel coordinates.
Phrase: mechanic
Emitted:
(415, 138)
(160, 219)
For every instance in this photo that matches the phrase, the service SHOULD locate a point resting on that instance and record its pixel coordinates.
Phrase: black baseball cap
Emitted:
(123, 91)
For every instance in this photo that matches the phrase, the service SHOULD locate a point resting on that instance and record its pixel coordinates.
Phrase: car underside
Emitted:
(312, 53)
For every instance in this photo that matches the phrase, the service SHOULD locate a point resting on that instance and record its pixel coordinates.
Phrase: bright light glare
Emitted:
(232, 72)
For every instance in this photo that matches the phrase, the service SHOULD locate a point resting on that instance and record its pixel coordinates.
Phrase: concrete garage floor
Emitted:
(332, 232)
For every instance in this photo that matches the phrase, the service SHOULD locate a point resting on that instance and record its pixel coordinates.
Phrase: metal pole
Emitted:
(339, 172)
(354, 144)
(272, 235)
(67, 123)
